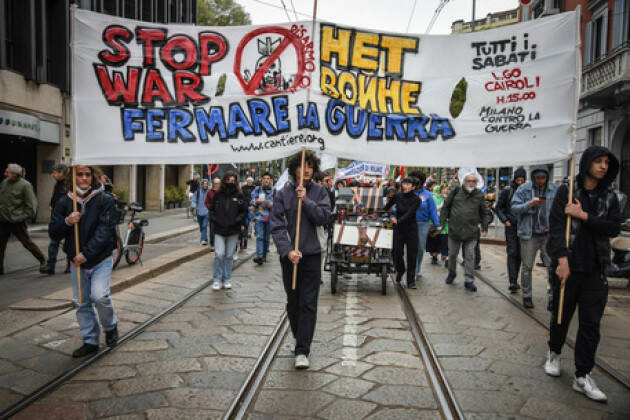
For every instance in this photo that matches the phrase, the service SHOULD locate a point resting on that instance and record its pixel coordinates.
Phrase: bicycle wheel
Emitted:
(117, 252)
(133, 255)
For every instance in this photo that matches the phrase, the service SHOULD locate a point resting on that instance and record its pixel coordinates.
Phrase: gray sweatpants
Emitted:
(468, 254)
(529, 247)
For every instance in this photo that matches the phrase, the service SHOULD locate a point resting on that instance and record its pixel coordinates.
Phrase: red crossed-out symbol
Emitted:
(289, 39)
(213, 168)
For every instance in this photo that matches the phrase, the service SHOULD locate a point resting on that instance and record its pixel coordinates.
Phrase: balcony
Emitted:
(606, 83)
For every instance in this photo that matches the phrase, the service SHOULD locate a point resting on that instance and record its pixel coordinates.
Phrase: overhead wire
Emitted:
(293, 7)
(285, 10)
(413, 9)
(266, 3)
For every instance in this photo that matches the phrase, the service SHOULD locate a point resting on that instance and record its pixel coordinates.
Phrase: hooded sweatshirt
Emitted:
(533, 220)
(503, 206)
(589, 249)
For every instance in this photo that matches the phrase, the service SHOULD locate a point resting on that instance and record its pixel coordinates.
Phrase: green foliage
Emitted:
(221, 85)
(221, 13)
(458, 98)
(120, 194)
(174, 194)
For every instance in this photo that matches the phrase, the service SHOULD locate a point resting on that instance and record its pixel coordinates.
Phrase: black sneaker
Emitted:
(450, 278)
(550, 305)
(111, 337)
(434, 261)
(527, 303)
(478, 267)
(412, 286)
(48, 270)
(258, 260)
(470, 286)
(541, 264)
(398, 278)
(514, 287)
(85, 350)
(43, 267)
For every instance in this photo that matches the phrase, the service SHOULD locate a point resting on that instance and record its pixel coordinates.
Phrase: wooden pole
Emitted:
(568, 232)
(76, 229)
(299, 220)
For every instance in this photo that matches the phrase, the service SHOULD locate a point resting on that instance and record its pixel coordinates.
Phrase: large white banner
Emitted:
(148, 93)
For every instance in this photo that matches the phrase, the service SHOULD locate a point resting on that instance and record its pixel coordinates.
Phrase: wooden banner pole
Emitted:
(299, 220)
(76, 229)
(567, 233)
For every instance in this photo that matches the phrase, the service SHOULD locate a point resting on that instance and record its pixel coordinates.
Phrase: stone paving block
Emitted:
(512, 354)
(23, 381)
(166, 325)
(128, 358)
(388, 358)
(159, 335)
(236, 350)
(246, 339)
(83, 391)
(446, 349)
(182, 414)
(126, 405)
(402, 396)
(50, 363)
(196, 340)
(349, 387)
(135, 317)
(100, 373)
(540, 408)
(441, 328)
(7, 367)
(229, 364)
(284, 402)
(125, 307)
(168, 366)
(38, 335)
(144, 345)
(265, 330)
(65, 345)
(295, 380)
(144, 384)
(397, 376)
(475, 380)
(346, 409)
(135, 416)
(53, 411)
(513, 368)
(457, 339)
(404, 414)
(383, 344)
(192, 351)
(208, 399)
(349, 368)
(143, 300)
(494, 416)
(386, 323)
(317, 363)
(220, 380)
(8, 397)
(12, 349)
(464, 363)
(489, 401)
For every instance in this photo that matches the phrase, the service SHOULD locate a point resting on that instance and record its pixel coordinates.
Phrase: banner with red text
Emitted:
(146, 93)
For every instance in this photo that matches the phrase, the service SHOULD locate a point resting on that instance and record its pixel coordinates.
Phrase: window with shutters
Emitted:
(596, 37)
(621, 24)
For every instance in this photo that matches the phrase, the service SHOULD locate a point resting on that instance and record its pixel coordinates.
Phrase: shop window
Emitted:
(595, 136)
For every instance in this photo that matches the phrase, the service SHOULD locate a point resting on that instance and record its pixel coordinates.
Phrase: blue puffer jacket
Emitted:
(520, 203)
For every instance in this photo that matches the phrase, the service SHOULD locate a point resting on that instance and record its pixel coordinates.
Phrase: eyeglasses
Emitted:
(84, 175)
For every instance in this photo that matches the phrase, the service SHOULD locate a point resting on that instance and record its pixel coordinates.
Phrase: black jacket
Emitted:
(58, 192)
(503, 207)
(96, 227)
(228, 212)
(589, 248)
(406, 206)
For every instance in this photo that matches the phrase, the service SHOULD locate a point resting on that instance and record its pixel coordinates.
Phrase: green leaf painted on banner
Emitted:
(458, 98)
(221, 85)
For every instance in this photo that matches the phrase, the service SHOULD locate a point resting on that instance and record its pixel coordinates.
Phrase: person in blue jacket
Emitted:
(426, 213)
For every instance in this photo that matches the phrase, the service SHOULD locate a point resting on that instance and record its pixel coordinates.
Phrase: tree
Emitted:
(221, 13)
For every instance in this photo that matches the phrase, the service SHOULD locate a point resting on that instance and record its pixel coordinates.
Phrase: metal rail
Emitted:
(254, 380)
(61, 378)
(443, 392)
(545, 323)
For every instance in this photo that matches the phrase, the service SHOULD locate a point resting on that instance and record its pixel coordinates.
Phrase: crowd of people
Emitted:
(439, 219)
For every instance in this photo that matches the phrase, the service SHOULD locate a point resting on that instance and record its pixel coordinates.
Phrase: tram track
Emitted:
(58, 380)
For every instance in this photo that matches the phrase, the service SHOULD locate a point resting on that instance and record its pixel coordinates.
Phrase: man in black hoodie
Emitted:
(504, 213)
(580, 266)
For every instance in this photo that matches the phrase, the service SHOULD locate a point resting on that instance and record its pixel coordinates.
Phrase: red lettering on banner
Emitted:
(116, 91)
(213, 48)
(155, 88)
(150, 38)
(187, 87)
(179, 43)
(112, 35)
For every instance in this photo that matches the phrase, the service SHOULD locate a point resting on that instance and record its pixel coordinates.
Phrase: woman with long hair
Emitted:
(228, 212)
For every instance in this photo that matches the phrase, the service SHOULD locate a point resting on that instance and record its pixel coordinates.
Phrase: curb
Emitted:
(160, 237)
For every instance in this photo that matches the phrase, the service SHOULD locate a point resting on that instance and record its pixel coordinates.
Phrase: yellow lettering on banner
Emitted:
(392, 92)
(339, 45)
(327, 82)
(365, 51)
(367, 92)
(409, 97)
(347, 79)
(394, 48)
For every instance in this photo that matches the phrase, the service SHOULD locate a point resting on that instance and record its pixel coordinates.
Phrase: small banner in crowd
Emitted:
(147, 93)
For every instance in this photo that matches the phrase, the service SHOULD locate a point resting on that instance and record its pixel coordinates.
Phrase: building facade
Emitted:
(35, 94)
(492, 20)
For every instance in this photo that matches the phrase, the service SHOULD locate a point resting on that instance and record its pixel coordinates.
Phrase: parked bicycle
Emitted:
(133, 243)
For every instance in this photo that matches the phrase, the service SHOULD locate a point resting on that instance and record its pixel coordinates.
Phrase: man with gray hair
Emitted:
(17, 205)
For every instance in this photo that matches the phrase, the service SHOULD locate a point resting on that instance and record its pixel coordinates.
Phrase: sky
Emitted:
(390, 16)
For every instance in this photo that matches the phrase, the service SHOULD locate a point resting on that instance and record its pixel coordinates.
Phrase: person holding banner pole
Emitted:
(301, 301)
(90, 214)
(579, 266)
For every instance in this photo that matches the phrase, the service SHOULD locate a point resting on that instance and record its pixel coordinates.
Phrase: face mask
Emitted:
(469, 189)
(230, 187)
(82, 191)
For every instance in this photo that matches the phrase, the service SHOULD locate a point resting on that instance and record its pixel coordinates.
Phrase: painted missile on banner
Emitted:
(148, 93)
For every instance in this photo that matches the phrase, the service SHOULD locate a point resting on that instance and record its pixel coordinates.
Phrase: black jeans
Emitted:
(302, 302)
(406, 235)
(513, 245)
(589, 291)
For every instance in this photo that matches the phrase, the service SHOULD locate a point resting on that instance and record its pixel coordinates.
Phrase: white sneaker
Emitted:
(235, 258)
(227, 285)
(552, 366)
(301, 362)
(204, 242)
(588, 387)
(216, 286)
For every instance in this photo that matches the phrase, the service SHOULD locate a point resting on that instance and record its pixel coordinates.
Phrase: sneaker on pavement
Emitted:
(587, 386)
(50, 270)
(552, 366)
(43, 266)
(211, 248)
(204, 242)
(301, 362)
(258, 260)
(527, 303)
(450, 278)
(235, 257)
(470, 286)
(514, 287)
(434, 261)
(445, 263)
(478, 267)
(85, 350)
(412, 286)
(227, 285)
(216, 286)
(398, 278)
(111, 337)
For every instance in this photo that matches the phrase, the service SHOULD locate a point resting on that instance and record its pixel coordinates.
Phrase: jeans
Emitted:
(423, 231)
(53, 250)
(224, 249)
(95, 293)
(263, 231)
(477, 250)
(211, 227)
(529, 247)
(302, 302)
(203, 226)
(513, 246)
(468, 253)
